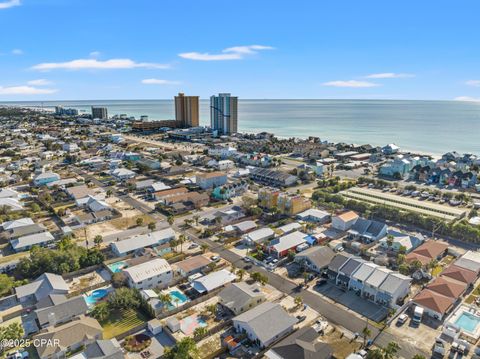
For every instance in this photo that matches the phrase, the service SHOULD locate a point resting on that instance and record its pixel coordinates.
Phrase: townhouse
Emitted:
(156, 273)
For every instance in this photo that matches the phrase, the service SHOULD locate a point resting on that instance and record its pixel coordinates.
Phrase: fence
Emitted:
(87, 289)
(190, 304)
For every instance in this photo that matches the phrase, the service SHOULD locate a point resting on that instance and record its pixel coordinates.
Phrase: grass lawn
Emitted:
(437, 270)
(14, 256)
(119, 322)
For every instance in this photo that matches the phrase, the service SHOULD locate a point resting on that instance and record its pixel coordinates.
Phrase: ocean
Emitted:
(432, 127)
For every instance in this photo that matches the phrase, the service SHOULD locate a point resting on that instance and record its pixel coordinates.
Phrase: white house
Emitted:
(213, 281)
(344, 221)
(258, 236)
(153, 239)
(151, 274)
(122, 174)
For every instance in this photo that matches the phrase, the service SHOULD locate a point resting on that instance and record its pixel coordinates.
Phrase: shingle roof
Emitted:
(319, 256)
(364, 271)
(434, 301)
(303, 344)
(447, 287)
(393, 282)
(61, 312)
(351, 266)
(378, 276)
(236, 295)
(338, 261)
(460, 274)
(267, 320)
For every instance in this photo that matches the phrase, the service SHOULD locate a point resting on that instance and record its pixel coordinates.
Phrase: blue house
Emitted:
(44, 178)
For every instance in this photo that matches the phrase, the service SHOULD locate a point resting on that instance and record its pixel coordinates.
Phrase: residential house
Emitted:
(336, 264)
(435, 305)
(24, 243)
(62, 311)
(258, 236)
(393, 289)
(428, 251)
(346, 271)
(314, 215)
(101, 349)
(68, 337)
(390, 149)
(305, 343)
(213, 281)
(138, 242)
(123, 174)
(240, 297)
(289, 242)
(400, 241)
(229, 191)
(273, 178)
(192, 265)
(459, 274)
(316, 258)
(45, 285)
(345, 221)
(156, 273)
(359, 277)
(16, 223)
(211, 179)
(367, 231)
(265, 324)
(44, 178)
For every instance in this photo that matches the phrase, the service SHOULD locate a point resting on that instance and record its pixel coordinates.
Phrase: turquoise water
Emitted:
(468, 322)
(178, 297)
(95, 296)
(426, 126)
(117, 266)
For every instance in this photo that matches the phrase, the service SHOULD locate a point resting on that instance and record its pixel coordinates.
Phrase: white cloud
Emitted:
(389, 75)
(9, 3)
(17, 52)
(230, 53)
(93, 64)
(475, 83)
(350, 83)
(94, 54)
(159, 82)
(39, 82)
(25, 90)
(467, 98)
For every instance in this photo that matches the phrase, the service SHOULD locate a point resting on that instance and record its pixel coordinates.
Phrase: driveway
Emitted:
(352, 301)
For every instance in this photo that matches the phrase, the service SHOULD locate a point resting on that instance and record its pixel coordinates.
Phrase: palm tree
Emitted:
(165, 299)
(196, 218)
(241, 272)
(98, 240)
(152, 226)
(366, 332)
(204, 247)
(298, 301)
(182, 239)
(185, 348)
(390, 350)
(170, 220)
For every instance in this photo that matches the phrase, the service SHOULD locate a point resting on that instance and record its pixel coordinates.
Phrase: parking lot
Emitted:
(352, 301)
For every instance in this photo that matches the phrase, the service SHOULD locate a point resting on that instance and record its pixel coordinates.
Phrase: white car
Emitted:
(214, 258)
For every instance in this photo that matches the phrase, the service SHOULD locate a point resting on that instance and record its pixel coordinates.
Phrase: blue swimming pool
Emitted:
(117, 266)
(95, 296)
(178, 297)
(468, 322)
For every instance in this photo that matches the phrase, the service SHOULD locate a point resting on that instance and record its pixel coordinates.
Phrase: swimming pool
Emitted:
(117, 266)
(95, 296)
(468, 322)
(178, 298)
(189, 324)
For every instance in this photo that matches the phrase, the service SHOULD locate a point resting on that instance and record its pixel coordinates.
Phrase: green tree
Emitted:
(6, 285)
(241, 273)
(298, 301)
(366, 333)
(101, 311)
(199, 332)
(170, 220)
(124, 298)
(152, 226)
(98, 240)
(186, 348)
(139, 221)
(165, 299)
(12, 331)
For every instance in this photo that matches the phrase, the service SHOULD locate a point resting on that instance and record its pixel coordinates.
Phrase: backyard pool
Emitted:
(468, 322)
(178, 298)
(117, 266)
(189, 324)
(95, 296)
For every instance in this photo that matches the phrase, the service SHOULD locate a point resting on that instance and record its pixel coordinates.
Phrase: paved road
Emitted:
(330, 311)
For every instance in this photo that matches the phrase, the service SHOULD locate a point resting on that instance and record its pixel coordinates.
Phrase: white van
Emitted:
(418, 314)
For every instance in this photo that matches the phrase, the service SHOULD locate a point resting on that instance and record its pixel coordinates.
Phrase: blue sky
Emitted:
(147, 49)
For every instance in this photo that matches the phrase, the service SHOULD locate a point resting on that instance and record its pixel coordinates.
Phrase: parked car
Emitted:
(247, 259)
(402, 318)
(193, 245)
(301, 318)
(214, 258)
(321, 281)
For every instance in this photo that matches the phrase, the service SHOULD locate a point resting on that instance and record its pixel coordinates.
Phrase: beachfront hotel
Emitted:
(223, 113)
(186, 111)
